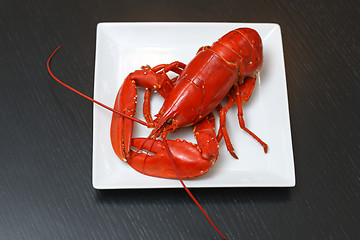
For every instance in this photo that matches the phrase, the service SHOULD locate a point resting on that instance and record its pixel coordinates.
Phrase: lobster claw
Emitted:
(150, 78)
(148, 156)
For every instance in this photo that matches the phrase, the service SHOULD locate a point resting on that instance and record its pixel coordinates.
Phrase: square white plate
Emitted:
(122, 48)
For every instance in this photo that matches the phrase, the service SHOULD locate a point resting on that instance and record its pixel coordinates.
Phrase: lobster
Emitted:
(225, 70)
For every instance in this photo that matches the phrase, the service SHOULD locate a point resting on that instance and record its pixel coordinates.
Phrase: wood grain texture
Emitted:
(46, 131)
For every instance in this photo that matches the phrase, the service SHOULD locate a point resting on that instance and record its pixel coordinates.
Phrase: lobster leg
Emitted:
(222, 128)
(149, 78)
(191, 160)
(242, 95)
(162, 85)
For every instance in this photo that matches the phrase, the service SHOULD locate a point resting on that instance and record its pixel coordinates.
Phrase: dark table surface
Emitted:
(46, 131)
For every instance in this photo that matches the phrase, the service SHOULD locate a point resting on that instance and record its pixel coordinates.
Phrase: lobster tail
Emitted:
(245, 47)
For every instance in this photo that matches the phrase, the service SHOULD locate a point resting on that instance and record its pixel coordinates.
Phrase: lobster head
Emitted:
(247, 45)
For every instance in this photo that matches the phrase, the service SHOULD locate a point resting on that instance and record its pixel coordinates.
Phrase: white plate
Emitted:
(124, 47)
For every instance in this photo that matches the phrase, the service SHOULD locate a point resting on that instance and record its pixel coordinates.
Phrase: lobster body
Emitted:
(200, 88)
(227, 69)
(208, 78)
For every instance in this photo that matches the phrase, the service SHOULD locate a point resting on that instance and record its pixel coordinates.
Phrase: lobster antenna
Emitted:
(171, 157)
(89, 98)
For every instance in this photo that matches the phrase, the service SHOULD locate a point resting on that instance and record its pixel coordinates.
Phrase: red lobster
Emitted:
(227, 70)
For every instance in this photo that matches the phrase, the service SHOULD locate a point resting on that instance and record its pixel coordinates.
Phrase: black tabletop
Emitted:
(46, 131)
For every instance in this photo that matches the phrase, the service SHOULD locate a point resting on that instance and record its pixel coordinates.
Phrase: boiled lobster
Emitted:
(225, 70)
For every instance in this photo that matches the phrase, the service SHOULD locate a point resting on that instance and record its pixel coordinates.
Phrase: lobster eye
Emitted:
(169, 121)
